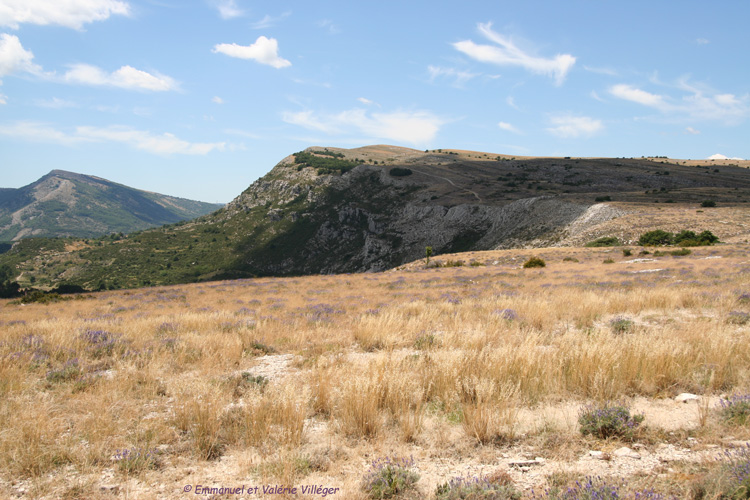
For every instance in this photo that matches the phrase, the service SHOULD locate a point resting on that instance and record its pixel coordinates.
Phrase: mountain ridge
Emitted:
(336, 210)
(63, 203)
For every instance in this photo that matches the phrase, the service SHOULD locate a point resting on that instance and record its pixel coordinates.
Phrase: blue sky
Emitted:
(198, 98)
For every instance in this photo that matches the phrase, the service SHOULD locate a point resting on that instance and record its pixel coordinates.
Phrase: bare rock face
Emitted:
(368, 220)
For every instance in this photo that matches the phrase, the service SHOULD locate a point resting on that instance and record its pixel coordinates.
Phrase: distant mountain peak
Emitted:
(87, 206)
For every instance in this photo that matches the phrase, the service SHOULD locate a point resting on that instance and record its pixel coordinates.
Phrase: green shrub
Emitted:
(708, 203)
(570, 259)
(656, 238)
(608, 261)
(534, 262)
(602, 198)
(736, 409)
(604, 241)
(626, 252)
(620, 325)
(608, 421)
(680, 252)
(389, 477)
(453, 263)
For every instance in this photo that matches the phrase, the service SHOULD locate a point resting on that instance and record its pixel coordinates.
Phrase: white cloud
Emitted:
(164, 144)
(630, 93)
(699, 104)
(459, 77)
(217, 100)
(505, 53)
(719, 156)
(508, 127)
(69, 13)
(126, 77)
(569, 126)
(264, 50)
(365, 100)
(692, 131)
(417, 127)
(14, 58)
(510, 101)
(3, 99)
(39, 132)
(702, 41)
(228, 9)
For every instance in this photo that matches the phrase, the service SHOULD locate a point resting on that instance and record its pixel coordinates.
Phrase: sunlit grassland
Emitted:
(436, 363)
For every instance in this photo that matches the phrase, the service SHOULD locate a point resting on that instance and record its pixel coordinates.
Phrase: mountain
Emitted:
(333, 210)
(68, 204)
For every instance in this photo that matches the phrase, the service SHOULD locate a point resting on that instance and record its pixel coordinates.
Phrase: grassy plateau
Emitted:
(475, 379)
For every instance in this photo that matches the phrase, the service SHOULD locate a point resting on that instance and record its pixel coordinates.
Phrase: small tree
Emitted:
(427, 254)
(708, 203)
(8, 287)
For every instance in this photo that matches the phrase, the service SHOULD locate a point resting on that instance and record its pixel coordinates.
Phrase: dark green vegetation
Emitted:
(400, 172)
(337, 210)
(534, 262)
(604, 241)
(68, 204)
(684, 238)
(324, 162)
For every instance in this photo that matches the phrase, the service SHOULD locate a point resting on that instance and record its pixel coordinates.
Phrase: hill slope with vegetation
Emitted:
(332, 210)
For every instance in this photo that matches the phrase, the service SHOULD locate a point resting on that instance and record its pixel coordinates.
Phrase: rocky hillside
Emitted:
(330, 210)
(68, 204)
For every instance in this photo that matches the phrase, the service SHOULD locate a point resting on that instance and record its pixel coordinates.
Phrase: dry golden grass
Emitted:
(305, 380)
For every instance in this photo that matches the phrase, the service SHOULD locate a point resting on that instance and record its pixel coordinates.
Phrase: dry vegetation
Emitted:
(306, 381)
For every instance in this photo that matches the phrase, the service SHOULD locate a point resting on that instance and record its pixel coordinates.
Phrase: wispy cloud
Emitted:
(264, 50)
(269, 21)
(55, 103)
(127, 77)
(702, 41)
(698, 104)
(69, 13)
(692, 131)
(40, 132)
(217, 100)
(329, 26)
(506, 53)
(459, 77)
(570, 126)
(413, 127)
(161, 144)
(601, 71)
(228, 9)
(508, 127)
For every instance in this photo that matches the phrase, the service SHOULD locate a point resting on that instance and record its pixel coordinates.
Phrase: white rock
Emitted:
(685, 397)
(626, 452)
(597, 454)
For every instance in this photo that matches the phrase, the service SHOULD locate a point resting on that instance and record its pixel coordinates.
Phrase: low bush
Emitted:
(604, 241)
(736, 409)
(389, 477)
(534, 262)
(476, 488)
(608, 421)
